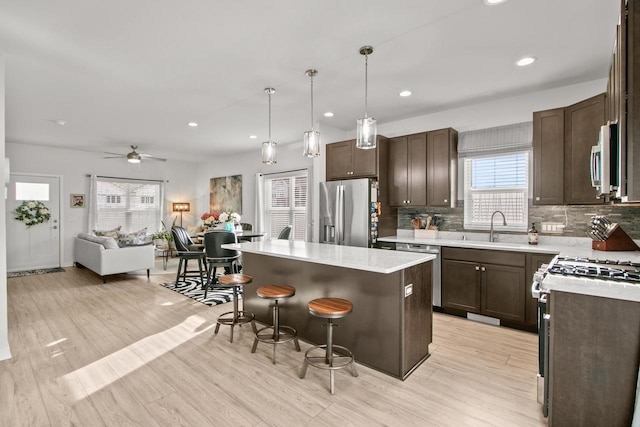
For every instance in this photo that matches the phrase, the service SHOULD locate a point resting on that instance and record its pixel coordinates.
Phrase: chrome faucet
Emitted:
(504, 222)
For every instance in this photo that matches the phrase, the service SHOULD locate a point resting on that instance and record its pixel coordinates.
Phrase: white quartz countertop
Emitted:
(594, 287)
(374, 260)
(571, 247)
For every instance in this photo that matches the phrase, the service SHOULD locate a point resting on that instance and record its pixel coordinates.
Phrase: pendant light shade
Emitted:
(366, 131)
(311, 140)
(269, 147)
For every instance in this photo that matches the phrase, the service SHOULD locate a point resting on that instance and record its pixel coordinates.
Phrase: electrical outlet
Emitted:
(552, 228)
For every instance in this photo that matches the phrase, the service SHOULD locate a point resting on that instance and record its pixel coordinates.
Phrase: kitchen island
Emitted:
(390, 328)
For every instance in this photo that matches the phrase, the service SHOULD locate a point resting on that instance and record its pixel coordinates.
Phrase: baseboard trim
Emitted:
(483, 319)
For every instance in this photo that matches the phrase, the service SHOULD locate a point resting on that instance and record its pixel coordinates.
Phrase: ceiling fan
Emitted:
(134, 156)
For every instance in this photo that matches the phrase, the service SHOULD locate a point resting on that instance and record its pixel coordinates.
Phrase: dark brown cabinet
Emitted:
(562, 141)
(408, 170)
(548, 157)
(491, 283)
(582, 123)
(442, 167)
(423, 169)
(345, 161)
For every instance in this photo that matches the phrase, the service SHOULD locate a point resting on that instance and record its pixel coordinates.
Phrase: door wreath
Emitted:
(32, 212)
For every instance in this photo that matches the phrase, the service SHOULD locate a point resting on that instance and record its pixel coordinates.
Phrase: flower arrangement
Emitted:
(31, 213)
(210, 218)
(230, 217)
(163, 234)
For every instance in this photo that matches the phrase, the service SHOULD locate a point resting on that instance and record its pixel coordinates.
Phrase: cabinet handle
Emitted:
(483, 269)
(446, 201)
(477, 268)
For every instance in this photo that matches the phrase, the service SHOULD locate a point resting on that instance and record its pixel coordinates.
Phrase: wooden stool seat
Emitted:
(235, 317)
(276, 334)
(276, 291)
(329, 356)
(330, 308)
(235, 279)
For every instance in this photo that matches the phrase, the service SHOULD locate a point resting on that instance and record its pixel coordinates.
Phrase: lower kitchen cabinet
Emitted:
(487, 282)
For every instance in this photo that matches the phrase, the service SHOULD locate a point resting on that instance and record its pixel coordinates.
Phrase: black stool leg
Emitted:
(179, 268)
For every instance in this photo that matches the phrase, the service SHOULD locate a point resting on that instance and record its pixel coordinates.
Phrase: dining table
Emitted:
(243, 235)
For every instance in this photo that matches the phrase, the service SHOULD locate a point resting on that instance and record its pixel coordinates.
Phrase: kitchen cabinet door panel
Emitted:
(365, 162)
(548, 157)
(339, 160)
(442, 164)
(398, 179)
(503, 292)
(461, 285)
(417, 174)
(582, 127)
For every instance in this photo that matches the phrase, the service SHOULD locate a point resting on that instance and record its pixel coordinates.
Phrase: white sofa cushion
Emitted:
(107, 242)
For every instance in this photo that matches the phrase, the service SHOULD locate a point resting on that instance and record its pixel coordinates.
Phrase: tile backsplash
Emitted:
(576, 218)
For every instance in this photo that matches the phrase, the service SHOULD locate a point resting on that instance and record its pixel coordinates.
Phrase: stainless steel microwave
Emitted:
(606, 161)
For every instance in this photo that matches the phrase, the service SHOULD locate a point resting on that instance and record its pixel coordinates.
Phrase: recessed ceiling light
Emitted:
(493, 2)
(527, 60)
(328, 114)
(60, 122)
(252, 136)
(405, 93)
(192, 124)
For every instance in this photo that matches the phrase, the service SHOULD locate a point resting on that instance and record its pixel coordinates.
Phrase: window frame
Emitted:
(292, 209)
(522, 190)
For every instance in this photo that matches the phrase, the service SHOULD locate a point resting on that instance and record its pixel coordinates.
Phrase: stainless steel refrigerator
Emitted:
(349, 212)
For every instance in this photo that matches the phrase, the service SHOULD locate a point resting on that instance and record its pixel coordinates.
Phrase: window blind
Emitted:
(509, 138)
(287, 201)
(496, 183)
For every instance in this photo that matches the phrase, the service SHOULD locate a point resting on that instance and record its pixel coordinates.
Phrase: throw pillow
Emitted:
(137, 238)
(107, 242)
(108, 233)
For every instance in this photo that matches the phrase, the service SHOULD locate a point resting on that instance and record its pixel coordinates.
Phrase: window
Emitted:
(496, 183)
(132, 204)
(286, 204)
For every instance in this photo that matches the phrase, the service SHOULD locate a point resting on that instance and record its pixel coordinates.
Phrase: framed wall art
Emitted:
(77, 200)
(225, 194)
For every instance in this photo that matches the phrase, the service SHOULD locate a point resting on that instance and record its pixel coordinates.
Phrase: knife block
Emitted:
(618, 240)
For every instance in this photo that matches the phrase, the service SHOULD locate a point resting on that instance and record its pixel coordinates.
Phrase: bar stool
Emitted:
(235, 317)
(279, 334)
(329, 308)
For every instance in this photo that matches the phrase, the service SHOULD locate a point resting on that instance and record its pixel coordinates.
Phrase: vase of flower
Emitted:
(228, 225)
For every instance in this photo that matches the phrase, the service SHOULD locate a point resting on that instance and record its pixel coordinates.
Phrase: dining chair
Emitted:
(216, 256)
(284, 234)
(245, 227)
(188, 250)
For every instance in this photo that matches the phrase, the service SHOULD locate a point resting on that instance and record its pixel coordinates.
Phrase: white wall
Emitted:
(75, 165)
(5, 352)
(506, 111)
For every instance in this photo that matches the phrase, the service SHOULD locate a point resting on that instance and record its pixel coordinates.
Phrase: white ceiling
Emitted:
(124, 72)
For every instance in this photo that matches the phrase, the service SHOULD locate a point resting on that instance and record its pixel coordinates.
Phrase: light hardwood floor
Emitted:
(130, 352)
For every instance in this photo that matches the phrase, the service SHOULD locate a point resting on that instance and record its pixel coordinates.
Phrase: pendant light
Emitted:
(311, 141)
(269, 147)
(366, 127)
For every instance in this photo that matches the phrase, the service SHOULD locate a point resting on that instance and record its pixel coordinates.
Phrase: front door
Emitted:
(37, 246)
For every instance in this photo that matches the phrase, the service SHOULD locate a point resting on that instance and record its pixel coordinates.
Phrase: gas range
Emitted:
(598, 277)
(622, 271)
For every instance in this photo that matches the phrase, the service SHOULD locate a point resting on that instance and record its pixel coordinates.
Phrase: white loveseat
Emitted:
(91, 252)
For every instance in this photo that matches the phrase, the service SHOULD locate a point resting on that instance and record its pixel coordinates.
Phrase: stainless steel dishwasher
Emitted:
(436, 270)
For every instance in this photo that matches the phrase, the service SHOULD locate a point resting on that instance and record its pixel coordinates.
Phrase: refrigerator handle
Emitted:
(339, 220)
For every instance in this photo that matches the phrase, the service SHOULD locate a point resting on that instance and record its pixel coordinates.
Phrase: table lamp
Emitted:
(181, 207)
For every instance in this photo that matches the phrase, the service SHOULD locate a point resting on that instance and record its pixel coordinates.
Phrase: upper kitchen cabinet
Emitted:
(548, 157)
(408, 170)
(423, 168)
(442, 167)
(562, 141)
(345, 161)
(582, 123)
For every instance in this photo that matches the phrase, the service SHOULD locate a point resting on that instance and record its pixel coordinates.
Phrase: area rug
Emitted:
(192, 288)
(34, 272)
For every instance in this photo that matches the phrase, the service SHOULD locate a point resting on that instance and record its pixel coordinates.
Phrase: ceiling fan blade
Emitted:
(115, 154)
(114, 157)
(151, 157)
